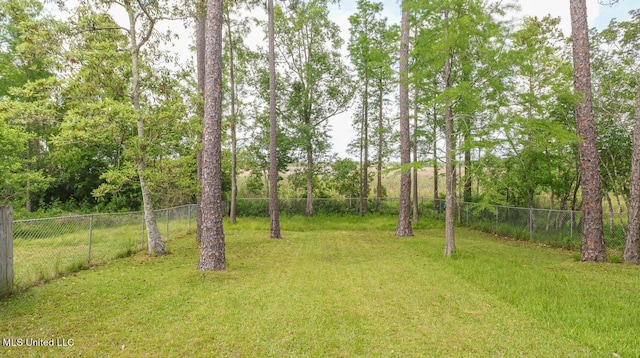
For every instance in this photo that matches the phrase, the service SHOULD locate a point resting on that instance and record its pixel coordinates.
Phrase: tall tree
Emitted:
(97, 95)
(142, 19)
(372, 46)
(364, 25)
(136, 11)
(614, 95)
(404, 216)
(201, 27)
(541, 85)
(383, 58)
(414, 169)
(233, 118)
(255, 155)
(316, 80)
(626, 35)
(464, 37)
(427, 79)
(100, 114)
(212, 249)
(274, 209)
(593, 248)
(416, 162)
(237, 59)
(449, 244)
(632, 245)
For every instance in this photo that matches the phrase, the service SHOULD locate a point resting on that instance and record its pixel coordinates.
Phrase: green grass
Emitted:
(47, 249)
(337, 287)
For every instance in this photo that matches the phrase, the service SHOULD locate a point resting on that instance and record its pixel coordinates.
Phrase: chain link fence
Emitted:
(560, 228)
(46, 248)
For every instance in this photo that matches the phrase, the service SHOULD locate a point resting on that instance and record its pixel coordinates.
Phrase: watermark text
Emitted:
(37, 342)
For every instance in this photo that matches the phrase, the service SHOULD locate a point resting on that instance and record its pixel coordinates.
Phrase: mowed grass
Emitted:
(41, 259)
(337, 287)
(46, 249)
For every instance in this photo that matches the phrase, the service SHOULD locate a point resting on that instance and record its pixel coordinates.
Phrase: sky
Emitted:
(341, 131)
(599, 17)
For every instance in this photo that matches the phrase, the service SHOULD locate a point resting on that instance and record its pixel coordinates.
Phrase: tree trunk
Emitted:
(199, 194)
(274, 208)
(532, 218)
(467, 194)
(436, 194)
(632, 245)
(232, 125)
(553, 191)
(459, 196)
(309, 208)
(200, 49)
(414, 189)
(560, 217)
(154, 241)
(616, 193)
(380, 140)
(574, 196)
(550, 212)
(212, 249)
(414, 182)
(450, 244)
(365, 165)
(593, 248)
(404, 216)
(611, 216)
(361, 163)
(27, 193)
(361, 172)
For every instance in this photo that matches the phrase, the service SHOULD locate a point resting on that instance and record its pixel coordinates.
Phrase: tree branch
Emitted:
(152, 23)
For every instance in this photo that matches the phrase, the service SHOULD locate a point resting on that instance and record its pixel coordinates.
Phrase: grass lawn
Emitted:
(336, 287)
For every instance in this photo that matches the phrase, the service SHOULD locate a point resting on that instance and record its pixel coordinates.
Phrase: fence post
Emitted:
(166, 216)
(90, 237)
(6, 250)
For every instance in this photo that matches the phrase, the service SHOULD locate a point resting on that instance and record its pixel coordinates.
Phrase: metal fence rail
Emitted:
(45, 248)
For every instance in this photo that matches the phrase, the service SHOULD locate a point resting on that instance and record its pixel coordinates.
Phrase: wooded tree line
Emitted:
(97, 115)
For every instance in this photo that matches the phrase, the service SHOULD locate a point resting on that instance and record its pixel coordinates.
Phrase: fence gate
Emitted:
(6, 249)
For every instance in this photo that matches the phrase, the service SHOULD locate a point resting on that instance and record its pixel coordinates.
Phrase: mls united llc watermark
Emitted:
(37, 342)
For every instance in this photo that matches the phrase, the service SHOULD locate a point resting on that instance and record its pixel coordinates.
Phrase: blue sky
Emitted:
(619, 11)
